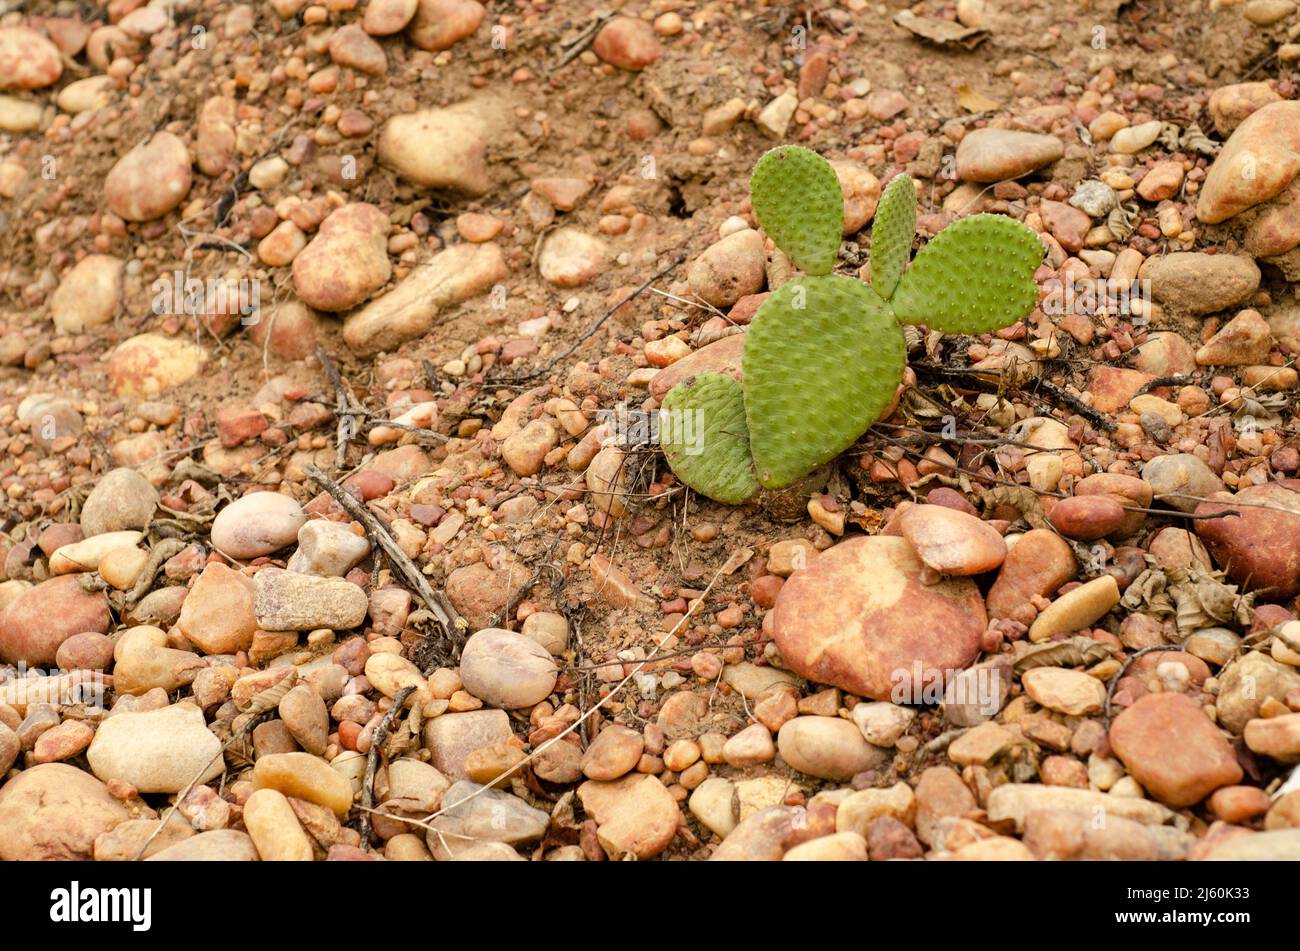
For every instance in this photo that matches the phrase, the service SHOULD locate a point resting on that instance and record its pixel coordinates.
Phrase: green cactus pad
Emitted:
(703, 433)
(797, 198)
(975, 276)
(891, 234)
(817, 375)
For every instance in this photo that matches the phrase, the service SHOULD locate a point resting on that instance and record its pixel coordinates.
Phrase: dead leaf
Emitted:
(942, 32)
(1072, 652)
(974, 101)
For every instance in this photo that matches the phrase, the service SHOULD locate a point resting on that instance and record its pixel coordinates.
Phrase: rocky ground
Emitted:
(332, 528)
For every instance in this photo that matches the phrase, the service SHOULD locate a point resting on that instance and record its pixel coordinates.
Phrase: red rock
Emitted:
(217, 615)
(1113, 387)
(1260, 547)
(238, 424)
(1038, 564)
(34, 626)
(860, 618)
(1067, 224)
(1173, 749)
(1087, 518)
(440, 24)
(952, 542)
(1129, 491)
(627, 43)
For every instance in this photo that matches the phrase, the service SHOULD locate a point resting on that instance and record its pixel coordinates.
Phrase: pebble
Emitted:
(452, 737)
(525, 451)
(1278, 737)
(1231, 104)
(1070, 835)
(55, 811)
(549, 629)
(88, 295)
(439, 148)
(440, 24)
(774, 119)
(1036, 566)
(714, 804)
(352, 47)
(839, 847)
(508, 670)
(303, 776)
(215, 845)
(826, 747)
(304, 714)
(1065, 691)
(327, 549)
(636, 815)
(217, 615)
(1242, 341)
(628, 43)
(274, 829)
(148, 365)
(952, 542)
(994, 155)
(571, 258)
(1173, 749)
(614, 752)
(1260, 547)
(288, 601)
(122, 499)
(1248, 683)
(860, 617)
(1013, 802)
(1088, 517)
(1162, 181)
(1175, 478)
(27, 59)
(150, 180)
(729, 269)
(752, 746)
(257, 524)
(157, 750)
(1076, 609)
(1133, 139)
(40, 619)
(861, 192)
(474, 815)
(386, 17)
(450, 277)
(882, 724)
(346, 261)
(1194, 282)
(1258, 161)
(940, 795)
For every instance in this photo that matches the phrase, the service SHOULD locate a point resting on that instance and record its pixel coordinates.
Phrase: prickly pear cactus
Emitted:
(824, 354)
(797, 199)
(974, 276)
(703, 433)
(822, 361)
(891, 234)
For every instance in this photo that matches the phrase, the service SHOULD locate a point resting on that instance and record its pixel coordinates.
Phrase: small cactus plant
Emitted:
(825, 353)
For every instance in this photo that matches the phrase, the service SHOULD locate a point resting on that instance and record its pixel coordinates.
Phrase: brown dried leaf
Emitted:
(942, 32)
(1073, 652)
